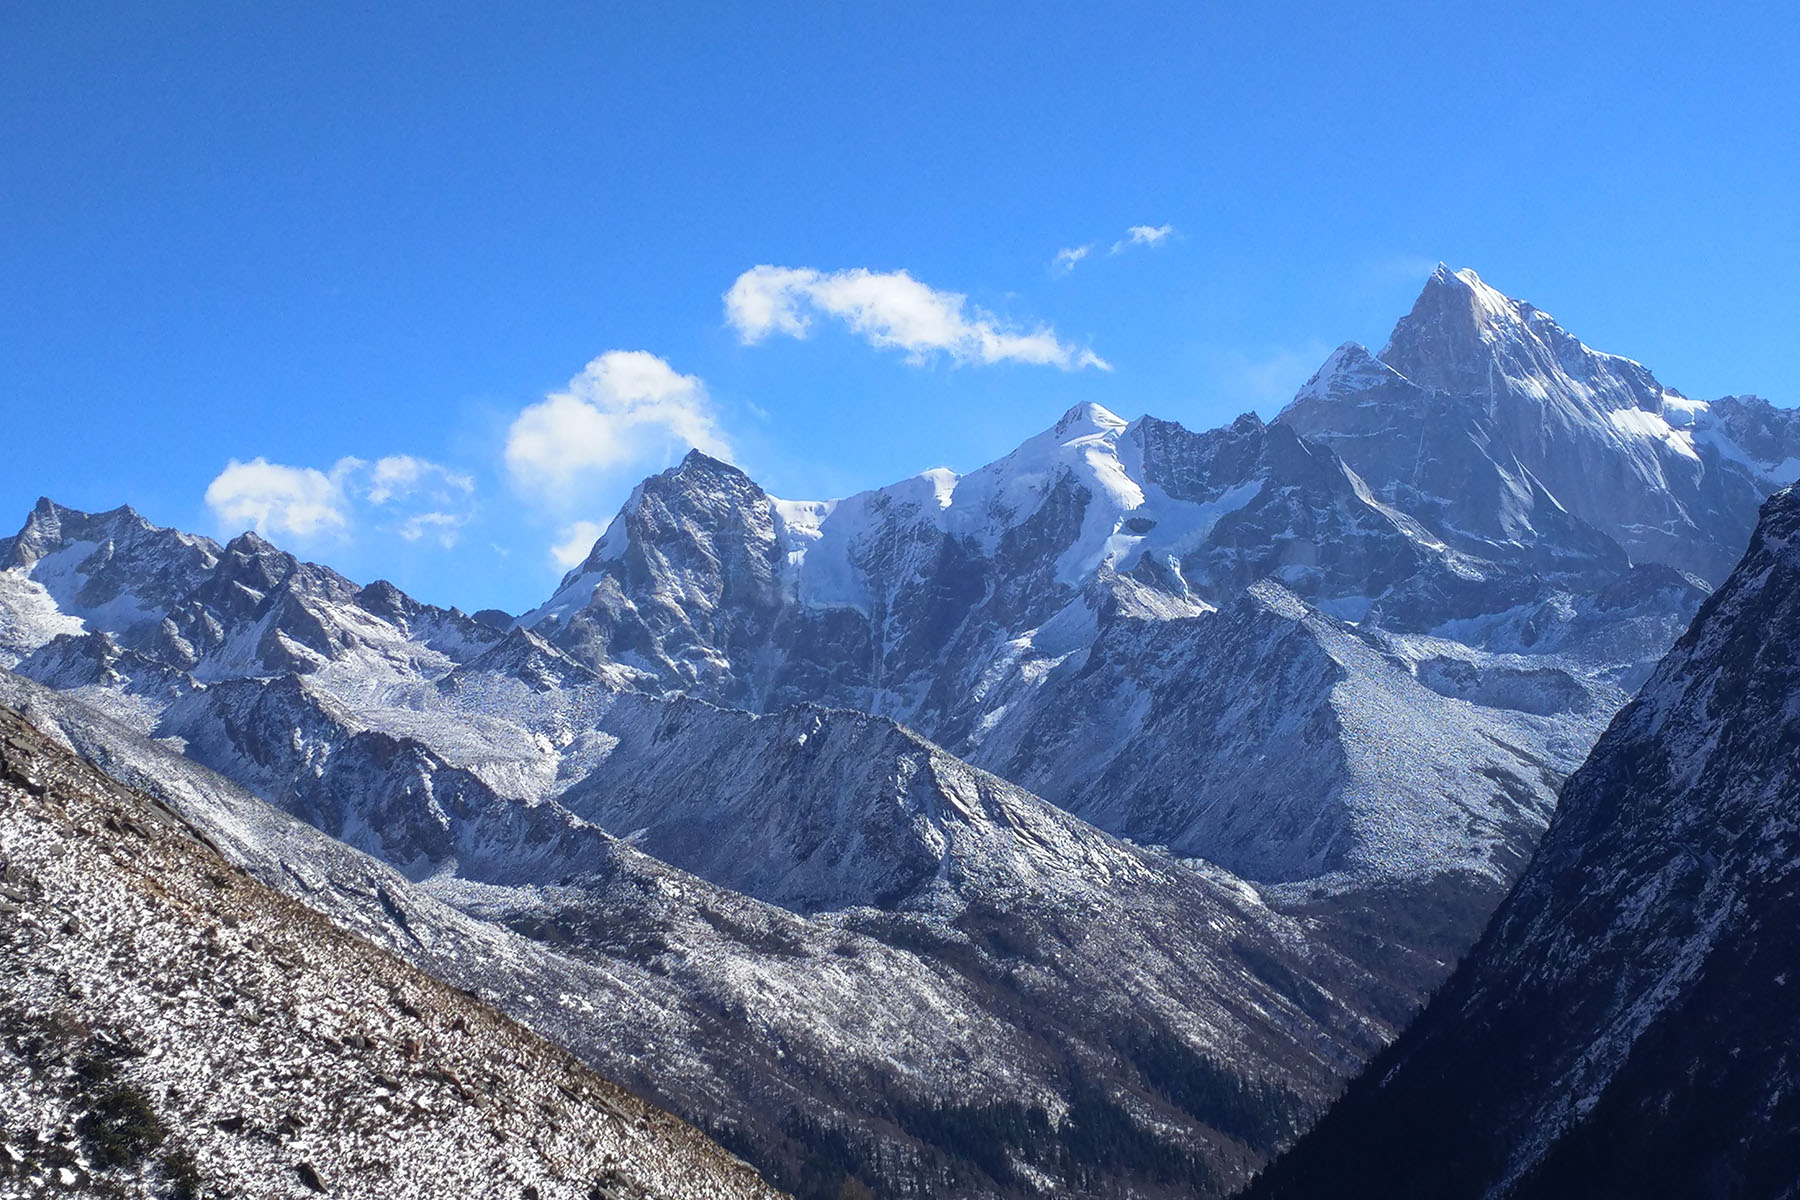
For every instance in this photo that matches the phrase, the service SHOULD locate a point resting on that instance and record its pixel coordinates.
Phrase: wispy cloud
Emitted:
(1143, 235)
(891, 310)
(626, 408)
(1269, 380)
(442, 527)
(401, 476)
(421, 497)
(1152, 236)
(1066, 258)
(578, 541)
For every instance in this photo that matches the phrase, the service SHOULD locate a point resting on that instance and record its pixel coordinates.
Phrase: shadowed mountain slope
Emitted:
(1625, 1026)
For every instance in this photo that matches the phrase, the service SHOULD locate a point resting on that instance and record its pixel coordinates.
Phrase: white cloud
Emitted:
(1066, 258)
(624, 407)
(1268, 381)
(275, 499)
(765, 300)
(304, 502)
(890, 310)
(443, 527)
(398, 476)
(578, 541)
(1143, 235)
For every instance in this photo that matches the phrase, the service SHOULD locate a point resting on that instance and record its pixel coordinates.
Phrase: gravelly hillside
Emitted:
(170, 1027)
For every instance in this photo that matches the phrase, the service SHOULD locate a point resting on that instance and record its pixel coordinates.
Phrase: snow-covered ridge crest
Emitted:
(125, 596)
(113, 568)
(1461, 324)
(1347, 371)
(818, 543)
(1090, 460)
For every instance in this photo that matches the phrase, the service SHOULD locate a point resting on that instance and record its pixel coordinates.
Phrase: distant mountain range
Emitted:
(1079, 824)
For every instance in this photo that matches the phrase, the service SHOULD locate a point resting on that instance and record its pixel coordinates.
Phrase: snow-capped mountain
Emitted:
(1625, 1026)
(894, 601)
(243, 610)
(1486, 458)
(1486, 418)
(873, 832)
(1071, 587)
(1430, 533)
(943, 934)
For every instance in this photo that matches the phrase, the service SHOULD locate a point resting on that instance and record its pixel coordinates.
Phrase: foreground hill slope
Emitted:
(1627, 1024)
(170, 1027)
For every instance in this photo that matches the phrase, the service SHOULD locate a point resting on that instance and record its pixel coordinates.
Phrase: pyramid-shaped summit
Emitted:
(1089, 417)
(1491, 413)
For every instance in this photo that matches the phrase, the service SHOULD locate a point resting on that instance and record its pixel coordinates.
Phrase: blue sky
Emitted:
(364, 247)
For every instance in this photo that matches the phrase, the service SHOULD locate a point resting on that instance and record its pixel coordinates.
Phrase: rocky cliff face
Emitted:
(1624, 1026)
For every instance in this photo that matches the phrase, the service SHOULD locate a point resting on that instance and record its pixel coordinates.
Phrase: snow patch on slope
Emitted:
(29, 617)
